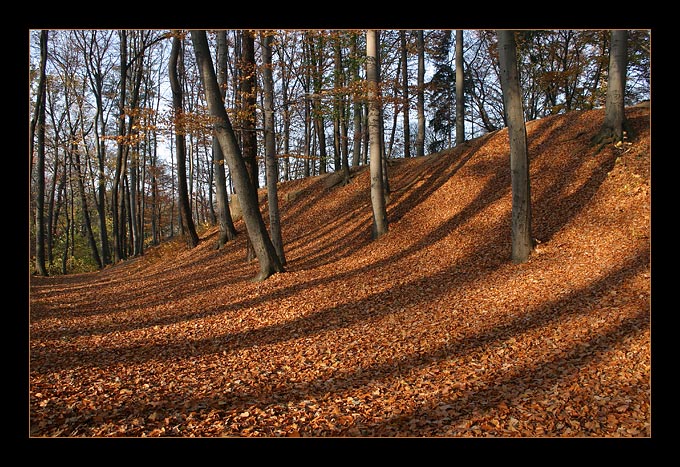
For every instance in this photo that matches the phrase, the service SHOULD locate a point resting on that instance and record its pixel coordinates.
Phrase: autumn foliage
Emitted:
(429, 331)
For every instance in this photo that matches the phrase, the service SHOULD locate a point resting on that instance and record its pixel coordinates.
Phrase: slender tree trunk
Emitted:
(522, 243)
(308, 130)
(286, 115)
(357, 104)
(337, 112)
(246, 191)
(420, 137)
(86, 213)
(248, 107)
(341, 130)
(460, 95)
(404, 78)
(615, 126)
(226, 223)
(316, 57)
(115, 190)
(180, 148)
(271, 162)
(40, 166)
(380, 225)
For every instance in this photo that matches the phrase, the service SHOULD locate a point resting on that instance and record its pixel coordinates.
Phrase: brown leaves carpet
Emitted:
(431, 331)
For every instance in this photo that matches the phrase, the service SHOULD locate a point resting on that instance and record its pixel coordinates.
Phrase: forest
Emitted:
(122, 166)
(340, 233)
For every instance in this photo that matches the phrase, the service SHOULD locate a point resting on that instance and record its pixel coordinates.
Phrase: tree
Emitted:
(420, 137)
(615, 126)
(248, 82)
(404, 77)
(460, 92)
(225, 221)
(96, 68)
(116, 197)
(380, 225)
(441, 91)
(180, 144)
(357, 104)
(40, 167)
(339, 112)
(246, 191)
(271, 162)
(522, 243)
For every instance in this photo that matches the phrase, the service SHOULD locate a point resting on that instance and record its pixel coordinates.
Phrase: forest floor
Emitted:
(430, 331)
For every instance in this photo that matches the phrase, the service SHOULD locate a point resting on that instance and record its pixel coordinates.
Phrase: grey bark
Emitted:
(420, 137)
(522, 243)
(248, 106)
(615, 125)
(356, 105)
(404, 64)
(245, 190)
(118, 252)
(40, 166)
(380, 225)
(271, 162)
(225, 221)
(460, 94)
(180, 147)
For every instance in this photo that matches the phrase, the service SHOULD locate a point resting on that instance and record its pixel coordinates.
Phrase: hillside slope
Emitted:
(429, 331)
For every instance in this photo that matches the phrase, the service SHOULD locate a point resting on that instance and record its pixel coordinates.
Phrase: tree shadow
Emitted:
(336, 317)
(536, 376)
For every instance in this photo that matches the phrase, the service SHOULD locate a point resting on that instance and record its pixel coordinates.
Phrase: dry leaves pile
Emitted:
(429, 331)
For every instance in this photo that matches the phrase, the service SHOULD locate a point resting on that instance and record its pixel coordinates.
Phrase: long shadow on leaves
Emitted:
(536, 376)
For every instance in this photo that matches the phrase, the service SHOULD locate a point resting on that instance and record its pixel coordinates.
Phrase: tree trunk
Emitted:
(316, 57)
(116, 187)
(615, 126)
(86, 213)
(180, 147)
(226, 223)
(356, 103)
(420, 137)
(40, 196)
(380, 225)
(522, 243)
(460, 92)
(248, 106)
(246, 191)
(271, 162)
(341, 114)
(407, 106)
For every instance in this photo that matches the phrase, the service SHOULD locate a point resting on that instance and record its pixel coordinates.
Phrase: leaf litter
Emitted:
(430, 331)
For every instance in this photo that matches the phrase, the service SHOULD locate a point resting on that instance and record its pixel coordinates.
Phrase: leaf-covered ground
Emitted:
(430, 331)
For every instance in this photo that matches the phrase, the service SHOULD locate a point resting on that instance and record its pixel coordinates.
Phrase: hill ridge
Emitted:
(429, 331)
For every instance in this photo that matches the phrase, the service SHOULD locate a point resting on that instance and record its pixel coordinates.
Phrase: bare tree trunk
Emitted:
(380, 225)
(420, 137)
(40, 196)
(356, 104)
(86, 213)
(404, 64)
(226, 223)
(316, 57)
(341, 114)
(180, 147)
(522, 242)
(246, 191)
(285, 105)
(116, 232)
(460, 92)
(271, 162)
(248, 107)
(615, 126)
